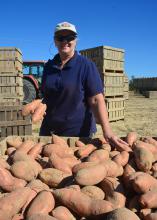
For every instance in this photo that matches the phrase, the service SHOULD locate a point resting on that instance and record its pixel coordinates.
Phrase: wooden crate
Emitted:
(113, 84)
(115, 108)
(107, 59)
(12, 122)
(8, 66)
(104, 52)
(11, 86)
(10, 53)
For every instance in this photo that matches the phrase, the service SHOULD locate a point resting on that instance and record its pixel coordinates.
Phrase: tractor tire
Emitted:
(29, 91)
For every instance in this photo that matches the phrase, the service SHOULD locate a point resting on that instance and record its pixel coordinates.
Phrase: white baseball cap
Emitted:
(65, 26)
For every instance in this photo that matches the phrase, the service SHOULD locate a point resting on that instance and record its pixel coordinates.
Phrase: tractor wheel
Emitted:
(29, 91)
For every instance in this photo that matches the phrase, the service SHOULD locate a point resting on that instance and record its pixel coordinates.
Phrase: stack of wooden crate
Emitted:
(110, 63)
(11, 94)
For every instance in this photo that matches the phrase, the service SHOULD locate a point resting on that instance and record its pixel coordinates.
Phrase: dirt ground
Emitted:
(140, 116)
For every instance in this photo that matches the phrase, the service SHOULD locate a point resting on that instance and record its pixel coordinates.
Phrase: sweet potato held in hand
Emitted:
(39, 113)
(30, 107)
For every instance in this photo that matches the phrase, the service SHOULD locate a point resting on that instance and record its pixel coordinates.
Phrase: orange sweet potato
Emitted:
(82, 165)
(91, 175)
(131, 138)
(122, 214)
(80, 203)
(41, 217)
(149, 140)
(60, 150)
(143, 158)
(57, 162)
(26, 146)
(43, 203)
(85, 150)
(122, 158)
(26, 170)
(112, 168)
(79, 143)
(98, 156)
(13, 202)
(14, 142)
(39, 113)
(30, 107)
(62, 213)
(147, 146)
(149, 199)
(59, 140)
(37, 185)
(36, 150)
(94, 192)
(53, 177)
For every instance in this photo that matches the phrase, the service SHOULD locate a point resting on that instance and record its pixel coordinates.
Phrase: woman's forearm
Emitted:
(99, 109)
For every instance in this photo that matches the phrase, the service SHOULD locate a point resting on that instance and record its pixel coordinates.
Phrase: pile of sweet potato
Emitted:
(94, 180)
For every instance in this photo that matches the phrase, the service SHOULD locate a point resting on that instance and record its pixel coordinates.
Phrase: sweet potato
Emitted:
(21, 156)
(26, 170)
(85, 150)
(114, 192)
(112, 168)
(122, 158)
(144, 182)
(59, 140)
(13, 202)
(53, 177)
(18, 217)
(71, 161)
(30, 107)
(6, 180)
(79, 143)
(4, 164)
(122, 214)
(36, 150)
(149, 140)
(106, 146)
(39, 113)
(41, 217)
(91, 175)
(149, 199)
(26, 146)
(31, 196)
(151, 216)
(113, 153)
(98, 156)
(56, 162)
(94, 192)
(147, 146)
(80, 203)
(43, 203)
(14, 142)
(143, 158)
(62, 213)
(82, 165)
(131, 138)
(37, 185)
(60, 150)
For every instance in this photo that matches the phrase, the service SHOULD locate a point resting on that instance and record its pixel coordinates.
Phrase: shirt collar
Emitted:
(70, 63)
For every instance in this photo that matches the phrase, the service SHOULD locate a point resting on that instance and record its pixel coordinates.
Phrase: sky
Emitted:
(127, 24)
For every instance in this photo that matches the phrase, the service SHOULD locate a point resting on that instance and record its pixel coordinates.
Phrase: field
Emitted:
(140, 116)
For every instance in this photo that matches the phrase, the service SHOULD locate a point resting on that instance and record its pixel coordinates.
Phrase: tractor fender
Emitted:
(33, 80)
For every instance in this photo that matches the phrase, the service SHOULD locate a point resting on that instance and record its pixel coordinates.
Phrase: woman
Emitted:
(73, 91)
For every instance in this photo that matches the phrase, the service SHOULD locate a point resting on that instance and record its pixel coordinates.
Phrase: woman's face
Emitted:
(65, 46)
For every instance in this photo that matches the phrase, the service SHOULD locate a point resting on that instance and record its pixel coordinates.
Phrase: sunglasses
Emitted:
(67, 38)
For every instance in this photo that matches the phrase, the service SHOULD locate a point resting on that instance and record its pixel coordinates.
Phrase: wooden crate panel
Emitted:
(104, 52)
(7, 66)
(12, 122)
(115, 108)
(10, 53)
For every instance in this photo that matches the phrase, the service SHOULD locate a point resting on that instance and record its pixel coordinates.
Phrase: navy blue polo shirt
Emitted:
(65, 93)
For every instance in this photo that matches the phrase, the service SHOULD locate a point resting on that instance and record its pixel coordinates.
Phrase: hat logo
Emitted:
(65, 25)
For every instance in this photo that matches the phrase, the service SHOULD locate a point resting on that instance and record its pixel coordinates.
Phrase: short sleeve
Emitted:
(93, 83)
